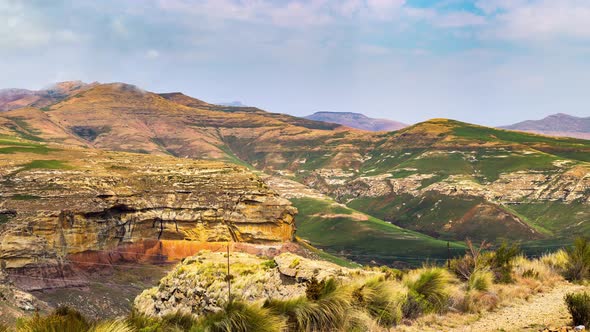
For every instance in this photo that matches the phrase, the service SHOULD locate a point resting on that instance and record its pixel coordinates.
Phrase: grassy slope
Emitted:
(341, 231)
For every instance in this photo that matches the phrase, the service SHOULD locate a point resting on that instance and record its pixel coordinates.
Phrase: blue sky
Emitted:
(491, 62)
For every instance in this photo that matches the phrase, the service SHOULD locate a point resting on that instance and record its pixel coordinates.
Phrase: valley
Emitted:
(110, 175)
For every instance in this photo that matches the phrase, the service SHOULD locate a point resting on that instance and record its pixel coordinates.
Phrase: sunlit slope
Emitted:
(445, 178)
(345, 232)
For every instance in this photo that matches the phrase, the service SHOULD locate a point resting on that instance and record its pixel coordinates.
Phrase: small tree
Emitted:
(578, 257)
(501, 262)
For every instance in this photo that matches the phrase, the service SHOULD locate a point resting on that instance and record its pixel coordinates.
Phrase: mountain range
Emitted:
(382, 195)
(556, 125)
(357, 120)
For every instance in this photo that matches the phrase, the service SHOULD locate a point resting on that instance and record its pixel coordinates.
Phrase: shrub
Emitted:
(501, 262)
(240, 317)
(475, 259)
(427, 291)
(578, 260)
(326, 312)
(62, 319)
(269, 264)
(480, 280)
(579, 307)
(381, 300)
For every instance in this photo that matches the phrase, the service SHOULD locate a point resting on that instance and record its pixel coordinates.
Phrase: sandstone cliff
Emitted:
(76, 201)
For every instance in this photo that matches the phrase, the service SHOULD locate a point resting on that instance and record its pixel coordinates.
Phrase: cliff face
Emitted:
(83, 201)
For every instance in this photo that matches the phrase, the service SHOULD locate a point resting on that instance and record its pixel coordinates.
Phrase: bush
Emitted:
(240, 317)
(579, 307)
(578, 260)
(428, 291)
(475, 259)
(326, 310)
(381, 301)
(179, 320)
(62, 319)
(501, 262)
(480, 280)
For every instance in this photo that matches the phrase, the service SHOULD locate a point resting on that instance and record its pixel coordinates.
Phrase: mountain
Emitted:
(17, 98)
(445, 179)
(556, 125)
(357, 120)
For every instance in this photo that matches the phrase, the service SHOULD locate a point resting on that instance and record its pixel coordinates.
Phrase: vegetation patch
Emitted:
(364, 241)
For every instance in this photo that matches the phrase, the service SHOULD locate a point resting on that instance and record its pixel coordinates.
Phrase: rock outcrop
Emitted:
(198, 285)
(82, 201)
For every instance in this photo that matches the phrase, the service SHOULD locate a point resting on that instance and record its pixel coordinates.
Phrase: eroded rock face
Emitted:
(97, 201)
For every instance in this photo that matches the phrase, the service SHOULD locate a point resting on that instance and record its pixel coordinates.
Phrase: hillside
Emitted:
(443, 178)
(556, 125)
(17, 98)
(357, 120)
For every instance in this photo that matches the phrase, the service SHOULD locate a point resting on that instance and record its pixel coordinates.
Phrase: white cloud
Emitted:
(152, 54)
(539, 20)
(23, 28)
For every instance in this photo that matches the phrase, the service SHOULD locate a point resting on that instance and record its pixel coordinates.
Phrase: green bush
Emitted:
(578, 260)
(579, 307)
(240, 317)
(428, 291)
(63, 319)
(502, 262)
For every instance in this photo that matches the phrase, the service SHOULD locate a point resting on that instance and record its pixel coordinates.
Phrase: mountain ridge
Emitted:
(559, 124)
(444, 178)
(357, 120)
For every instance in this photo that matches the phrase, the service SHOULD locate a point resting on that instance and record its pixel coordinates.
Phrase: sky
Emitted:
(491, 62)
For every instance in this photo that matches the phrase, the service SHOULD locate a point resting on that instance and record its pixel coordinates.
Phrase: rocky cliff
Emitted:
(75, 201)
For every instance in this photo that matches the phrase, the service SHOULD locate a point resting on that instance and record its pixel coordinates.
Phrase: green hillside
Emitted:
(346, 232)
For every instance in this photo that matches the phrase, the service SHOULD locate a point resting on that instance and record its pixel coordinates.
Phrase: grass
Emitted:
(335, 229)
(46, 164)
(11, 145)
(24, 197)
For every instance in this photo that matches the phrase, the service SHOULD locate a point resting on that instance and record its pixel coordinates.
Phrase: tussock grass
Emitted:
(112, 326)
(241, 317)
(63, 319)
(557, 261)
(480, 280)
(328, 311)
(428, 291)
(382, 300)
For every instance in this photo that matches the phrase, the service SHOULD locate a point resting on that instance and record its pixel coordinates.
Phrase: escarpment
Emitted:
(90, 201)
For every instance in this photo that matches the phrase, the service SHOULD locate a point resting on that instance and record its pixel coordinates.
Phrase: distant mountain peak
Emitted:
(559, 124)
(357, 120)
